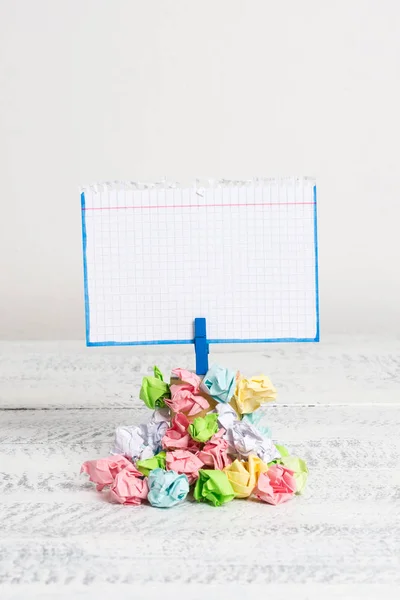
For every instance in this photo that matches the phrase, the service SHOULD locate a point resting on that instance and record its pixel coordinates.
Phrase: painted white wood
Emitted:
(339, 370)
(59, 538)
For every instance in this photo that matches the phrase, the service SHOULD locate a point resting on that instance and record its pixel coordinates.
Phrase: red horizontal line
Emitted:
(197, 205)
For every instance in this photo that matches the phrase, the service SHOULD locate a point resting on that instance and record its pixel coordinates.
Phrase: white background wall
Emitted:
(117, 89)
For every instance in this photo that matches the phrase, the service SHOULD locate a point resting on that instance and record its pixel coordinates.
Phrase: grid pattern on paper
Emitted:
(243, 256)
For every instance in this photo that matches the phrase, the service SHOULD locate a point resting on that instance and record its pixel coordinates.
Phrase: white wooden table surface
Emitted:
(338, 407)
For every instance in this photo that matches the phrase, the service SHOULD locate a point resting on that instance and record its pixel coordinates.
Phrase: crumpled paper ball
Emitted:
(243, 476)
(103, 471)
(184, 461)
(251, 393)
(148, 464)
(295, 464)
(276, 485)
(166, 488)
(177, 436)
(219, 382)
(213, 487)
(215, 452)
(185, 396)
(203, 428)
(129, 487)
(226, 416)
(300, 471)
(142, 441)
(245, 439)
(154, 390)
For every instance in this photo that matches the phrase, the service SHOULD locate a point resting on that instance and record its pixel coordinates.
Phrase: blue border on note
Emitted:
(85, 277)
(316, 265)
(210, 341)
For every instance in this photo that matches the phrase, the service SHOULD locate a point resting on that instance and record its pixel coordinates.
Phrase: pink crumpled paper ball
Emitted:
(276, 485)
(103, 471)
(184, 462)
(186, 397)
(129, 487)
(177, 436)
(215, 452)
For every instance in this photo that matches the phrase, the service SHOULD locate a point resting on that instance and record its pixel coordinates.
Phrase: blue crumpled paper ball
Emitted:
(219, 383)
(166, 488)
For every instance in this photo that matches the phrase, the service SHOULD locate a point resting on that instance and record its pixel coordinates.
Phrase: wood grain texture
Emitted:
(59, 538)
(339, 370)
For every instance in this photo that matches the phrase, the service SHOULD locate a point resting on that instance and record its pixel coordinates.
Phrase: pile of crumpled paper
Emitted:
(205, 435)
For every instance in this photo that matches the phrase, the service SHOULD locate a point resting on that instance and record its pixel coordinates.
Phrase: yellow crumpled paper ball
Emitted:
(243, 476)
(251, 393)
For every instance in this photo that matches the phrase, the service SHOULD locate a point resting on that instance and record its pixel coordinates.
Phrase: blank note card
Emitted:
(243, 255)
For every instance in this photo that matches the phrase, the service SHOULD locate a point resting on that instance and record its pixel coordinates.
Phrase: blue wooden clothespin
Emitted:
(201, 346)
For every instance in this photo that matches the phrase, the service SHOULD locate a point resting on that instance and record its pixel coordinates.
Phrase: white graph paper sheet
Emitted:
(242, 255)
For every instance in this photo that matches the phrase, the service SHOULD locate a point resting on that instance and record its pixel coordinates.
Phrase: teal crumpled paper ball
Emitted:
(219, 383)
(258, 419)
(166, 488)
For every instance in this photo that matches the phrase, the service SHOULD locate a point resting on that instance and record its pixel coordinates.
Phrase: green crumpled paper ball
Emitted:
(213, 487)
(154, 389)
(203, 428)
(149, 464)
